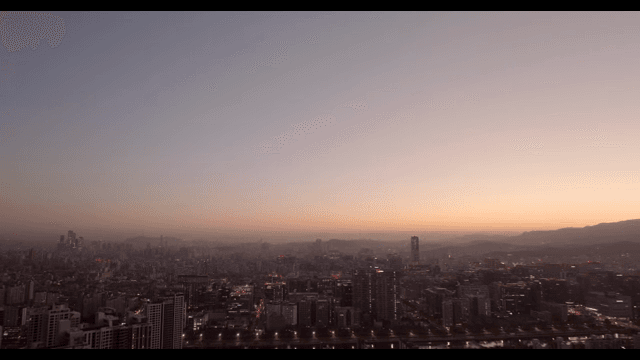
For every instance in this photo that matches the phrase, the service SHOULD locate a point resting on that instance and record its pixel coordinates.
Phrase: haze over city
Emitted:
(319, 180)
(197, 124)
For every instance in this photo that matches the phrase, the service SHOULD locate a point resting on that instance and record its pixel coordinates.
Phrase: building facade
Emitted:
(415, 250)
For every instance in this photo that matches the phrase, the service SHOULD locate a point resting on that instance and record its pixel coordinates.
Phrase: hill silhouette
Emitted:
(604, 233)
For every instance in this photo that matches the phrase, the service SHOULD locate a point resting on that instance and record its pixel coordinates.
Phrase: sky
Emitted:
(342, 122)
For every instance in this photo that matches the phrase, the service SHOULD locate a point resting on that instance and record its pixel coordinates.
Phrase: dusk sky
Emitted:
(329, 122)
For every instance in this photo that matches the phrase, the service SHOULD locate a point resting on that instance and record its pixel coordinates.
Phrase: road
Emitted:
(360, 341)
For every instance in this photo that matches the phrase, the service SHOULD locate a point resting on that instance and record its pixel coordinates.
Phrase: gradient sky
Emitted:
(335, 122)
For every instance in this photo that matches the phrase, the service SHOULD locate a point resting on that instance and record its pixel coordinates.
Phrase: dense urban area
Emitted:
(167, 293)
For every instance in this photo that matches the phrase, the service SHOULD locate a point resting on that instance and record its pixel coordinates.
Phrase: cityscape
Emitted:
(152, 293)
(319, 180)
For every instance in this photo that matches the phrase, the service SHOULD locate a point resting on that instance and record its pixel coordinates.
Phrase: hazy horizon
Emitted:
(273, 237)
(197, 124)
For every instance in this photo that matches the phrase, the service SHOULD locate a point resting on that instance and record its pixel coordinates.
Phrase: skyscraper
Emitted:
(364, 283)
(322, 313)
(167, 319)
(375, 292)
(344, 291)
(387, 295)
(191, 284)
(154, 314)
(306, 308)
(415, 250)
(29, 289)
(173, 319)
(71, 238)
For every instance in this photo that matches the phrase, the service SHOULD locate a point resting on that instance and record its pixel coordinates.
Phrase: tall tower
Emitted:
(174, 321)
(364, 295)
(167, 320)
(387, 287)
(154, 314)
(71, 238)
(375, 292)
(415, 250)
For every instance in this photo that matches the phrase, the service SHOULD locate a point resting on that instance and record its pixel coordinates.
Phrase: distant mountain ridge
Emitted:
(622, 231)
(607, 237)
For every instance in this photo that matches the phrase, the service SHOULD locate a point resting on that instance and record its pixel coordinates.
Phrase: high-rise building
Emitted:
(167, 319)
(344, 291)
(455, 311)
(306, 311)
(191, 284)
(286, 311)
(71, 238)
(23, 316)
(44, 325)
(375, 293)
(29, 290)
(290, 313)
(345, 316)
(322, 313)
(173, 318)
(131, 336)
(275, 291)
(387, 295)
(479, 297)
(415, 250)
(434, 299)
(15, 295)
(154, 314)
(364, 284)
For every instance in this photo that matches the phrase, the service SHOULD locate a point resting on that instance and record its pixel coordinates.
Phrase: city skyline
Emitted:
(309, 123)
